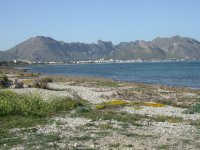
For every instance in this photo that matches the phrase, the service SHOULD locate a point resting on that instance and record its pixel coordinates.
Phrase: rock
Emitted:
(61, 145)
(79, 146)
(17, 84)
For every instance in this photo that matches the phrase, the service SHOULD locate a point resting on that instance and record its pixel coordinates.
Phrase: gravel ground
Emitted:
(93, 95)
(149, 136)
(162, 111)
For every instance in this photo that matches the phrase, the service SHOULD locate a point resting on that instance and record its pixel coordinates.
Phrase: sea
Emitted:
(178, 74)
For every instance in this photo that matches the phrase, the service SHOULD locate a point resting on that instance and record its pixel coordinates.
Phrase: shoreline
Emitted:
(113, 114)
(28, 70)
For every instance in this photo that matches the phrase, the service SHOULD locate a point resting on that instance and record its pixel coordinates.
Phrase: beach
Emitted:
(118, 115)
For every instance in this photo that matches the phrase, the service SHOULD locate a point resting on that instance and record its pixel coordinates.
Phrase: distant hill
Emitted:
(47, 49)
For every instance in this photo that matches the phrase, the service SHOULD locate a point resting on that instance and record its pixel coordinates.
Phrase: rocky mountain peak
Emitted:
(41, 48)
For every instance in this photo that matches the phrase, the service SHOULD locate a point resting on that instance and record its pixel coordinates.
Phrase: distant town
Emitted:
(98, 61)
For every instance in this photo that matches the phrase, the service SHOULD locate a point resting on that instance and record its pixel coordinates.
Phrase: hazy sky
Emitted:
(90, 20)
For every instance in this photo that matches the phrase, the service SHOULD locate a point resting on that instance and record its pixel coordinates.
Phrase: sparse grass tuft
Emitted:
(162, 147)
(27, 74)
(196, 123)
(114, 145)
(81, 138)
(170, 119)
(105, 126)
(109, 115)
(107, 84)
(9, 122)
(165, 101)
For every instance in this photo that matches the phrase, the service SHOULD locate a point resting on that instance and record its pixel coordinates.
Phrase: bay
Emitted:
(182, 74)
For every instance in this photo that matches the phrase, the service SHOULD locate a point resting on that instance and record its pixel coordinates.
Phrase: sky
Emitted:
(90, 20)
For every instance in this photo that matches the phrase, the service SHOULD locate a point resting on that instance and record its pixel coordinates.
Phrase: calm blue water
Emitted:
(185, 74)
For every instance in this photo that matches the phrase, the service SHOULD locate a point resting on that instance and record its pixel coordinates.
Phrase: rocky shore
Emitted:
(161, 121)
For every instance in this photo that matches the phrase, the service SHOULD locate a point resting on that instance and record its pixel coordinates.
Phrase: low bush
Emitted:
(59, 104)
(3, 80)
(115, 103)
(33, 105)
(193, 109)
(25, 105)
(27, 74)
(196, 123)
(165, 101)
(119, 103)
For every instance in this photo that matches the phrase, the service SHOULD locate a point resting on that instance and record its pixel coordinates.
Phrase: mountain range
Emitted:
(42, 48)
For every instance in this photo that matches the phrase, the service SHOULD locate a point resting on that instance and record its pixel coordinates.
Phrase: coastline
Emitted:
(114, 114)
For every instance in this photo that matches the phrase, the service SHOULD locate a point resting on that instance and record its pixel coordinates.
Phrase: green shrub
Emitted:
(59, 104)
(193, 109)
(3, 80)
(33, 105)
(196, 123)
(82, 109)
(25, 105)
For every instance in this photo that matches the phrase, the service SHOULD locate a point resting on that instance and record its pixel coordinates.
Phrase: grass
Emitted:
(114, 145)
(196, 123)
(46, 141)
(162, 147)
(105, 126)
(9, 122)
